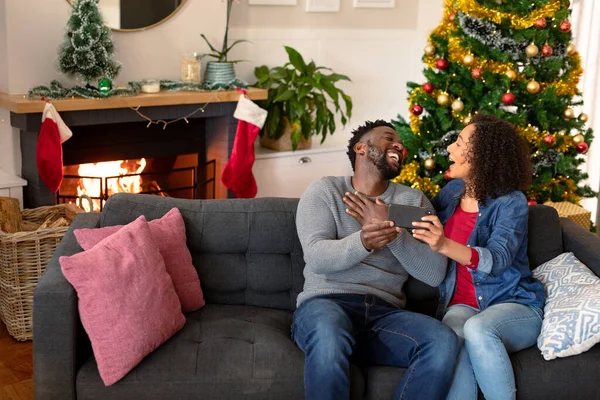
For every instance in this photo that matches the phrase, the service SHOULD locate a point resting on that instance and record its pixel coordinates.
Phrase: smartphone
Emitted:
(404, 216)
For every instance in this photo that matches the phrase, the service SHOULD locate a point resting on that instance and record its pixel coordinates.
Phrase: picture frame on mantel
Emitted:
(374, 3)
(322, 5)
(273, 2)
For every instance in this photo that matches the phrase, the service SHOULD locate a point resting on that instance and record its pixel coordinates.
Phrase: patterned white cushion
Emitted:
(572, 312)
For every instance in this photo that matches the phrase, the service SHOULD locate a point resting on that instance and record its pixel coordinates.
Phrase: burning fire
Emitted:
(127, 184)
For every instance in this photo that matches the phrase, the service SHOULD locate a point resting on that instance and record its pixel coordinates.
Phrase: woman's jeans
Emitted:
(488, 337)
(331, 330)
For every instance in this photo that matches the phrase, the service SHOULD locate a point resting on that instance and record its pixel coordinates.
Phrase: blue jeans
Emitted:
(331, 330)
(487, 338)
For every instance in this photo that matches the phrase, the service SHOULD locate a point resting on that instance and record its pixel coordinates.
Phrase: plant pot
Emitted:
(219, 73)
(284, 142)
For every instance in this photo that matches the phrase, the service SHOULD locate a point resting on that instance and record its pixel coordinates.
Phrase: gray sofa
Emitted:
(238, 346)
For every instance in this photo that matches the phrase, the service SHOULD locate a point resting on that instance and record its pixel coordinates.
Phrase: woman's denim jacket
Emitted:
(500, 238)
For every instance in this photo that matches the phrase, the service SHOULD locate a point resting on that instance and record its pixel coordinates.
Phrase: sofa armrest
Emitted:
(56, 338)
(584, 244)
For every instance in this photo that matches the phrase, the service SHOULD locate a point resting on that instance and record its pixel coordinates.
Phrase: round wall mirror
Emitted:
(136, 15)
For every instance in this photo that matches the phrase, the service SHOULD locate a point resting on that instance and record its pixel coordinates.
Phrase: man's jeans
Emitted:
(489, 336)
(332, 329)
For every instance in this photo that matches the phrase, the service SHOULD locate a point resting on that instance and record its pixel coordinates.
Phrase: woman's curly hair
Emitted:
(500, 158)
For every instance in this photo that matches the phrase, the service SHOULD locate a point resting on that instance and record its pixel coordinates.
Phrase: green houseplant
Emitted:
(221, 71)
(301, 99)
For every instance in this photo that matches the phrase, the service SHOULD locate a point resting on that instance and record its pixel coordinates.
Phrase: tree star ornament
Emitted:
(429, 164)
(458, 105)
(443, 99)
(578, 139)
(508, 98)
(428, 87)
(569, 113)
(416, 110)
(430, 49)
(533, 87)
(532, 50)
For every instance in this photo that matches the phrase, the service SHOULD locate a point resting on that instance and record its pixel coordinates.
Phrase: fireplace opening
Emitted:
(89, 185)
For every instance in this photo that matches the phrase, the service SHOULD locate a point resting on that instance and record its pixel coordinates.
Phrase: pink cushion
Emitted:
(127, 302)
(169, 235)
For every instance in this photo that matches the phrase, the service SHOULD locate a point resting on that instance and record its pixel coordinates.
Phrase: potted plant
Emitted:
(300, 97)
(221, 71)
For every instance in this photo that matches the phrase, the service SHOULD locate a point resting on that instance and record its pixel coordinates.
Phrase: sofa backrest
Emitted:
(247, 251)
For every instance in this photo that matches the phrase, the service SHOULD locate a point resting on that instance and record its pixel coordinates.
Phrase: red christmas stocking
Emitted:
(49, 148)
(237, 174)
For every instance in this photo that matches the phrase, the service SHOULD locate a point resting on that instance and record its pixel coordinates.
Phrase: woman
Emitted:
(488, 297)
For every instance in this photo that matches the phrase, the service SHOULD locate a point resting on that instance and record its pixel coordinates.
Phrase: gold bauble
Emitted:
(533, 87)
(578, 139)
(429, 164)
(569, 113)
(467, 119)
(583, 117)
(458, 105)
(532, 50)
(430, 49)
(468, 59)
(512, 75)
(571, 49)
(443, 99)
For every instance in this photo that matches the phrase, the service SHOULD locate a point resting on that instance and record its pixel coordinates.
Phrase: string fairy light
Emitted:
(184, 118)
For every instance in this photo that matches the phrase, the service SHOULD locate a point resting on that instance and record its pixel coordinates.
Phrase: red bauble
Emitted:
(549, 140)
(532, 202)
(540, 23)
(447, 175)
(416, 109)
(508, 98)
(565, 26)
(452, 16)
(476, 73)
(428, 87)
(546, 50)
(582, 147)
(404, 154)
(441, 64)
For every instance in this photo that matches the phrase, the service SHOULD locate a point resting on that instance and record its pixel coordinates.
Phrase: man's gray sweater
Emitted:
(336, 260)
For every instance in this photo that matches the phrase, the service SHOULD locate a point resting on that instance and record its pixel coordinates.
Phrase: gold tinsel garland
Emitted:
(472, 7)
(536, 137)
(410, 176)
(569, 193)
(443, 29)
(415, 121)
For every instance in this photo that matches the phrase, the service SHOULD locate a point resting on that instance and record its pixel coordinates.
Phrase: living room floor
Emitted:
(16, 368)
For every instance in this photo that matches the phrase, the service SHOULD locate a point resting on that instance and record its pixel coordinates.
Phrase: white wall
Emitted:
(363, 44)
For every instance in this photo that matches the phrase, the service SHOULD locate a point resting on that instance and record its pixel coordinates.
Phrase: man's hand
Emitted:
(364, 210)
(433, 234)
(377, 235)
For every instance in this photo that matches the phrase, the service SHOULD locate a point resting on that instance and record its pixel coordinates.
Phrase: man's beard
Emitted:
(379, 159)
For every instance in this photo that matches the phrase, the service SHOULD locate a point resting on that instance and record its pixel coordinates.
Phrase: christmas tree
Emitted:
(87, 50)
(513, 59)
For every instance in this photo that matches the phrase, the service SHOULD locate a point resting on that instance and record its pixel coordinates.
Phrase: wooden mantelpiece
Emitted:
(19, 104)
(105, 130)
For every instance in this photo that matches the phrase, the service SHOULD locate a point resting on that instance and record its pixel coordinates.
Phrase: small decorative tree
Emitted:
(87, 51)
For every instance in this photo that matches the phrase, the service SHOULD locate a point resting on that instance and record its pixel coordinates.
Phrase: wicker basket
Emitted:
(23, 258)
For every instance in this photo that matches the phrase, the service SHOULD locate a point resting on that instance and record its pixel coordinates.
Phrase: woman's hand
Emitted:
(433, 234)
(364, 210)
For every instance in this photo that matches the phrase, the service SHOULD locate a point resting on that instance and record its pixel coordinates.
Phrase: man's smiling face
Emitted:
(385, 151)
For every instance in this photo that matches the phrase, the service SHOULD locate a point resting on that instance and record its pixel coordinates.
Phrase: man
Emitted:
(352, 302)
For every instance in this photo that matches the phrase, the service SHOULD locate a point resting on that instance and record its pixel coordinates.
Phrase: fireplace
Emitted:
(196, 149)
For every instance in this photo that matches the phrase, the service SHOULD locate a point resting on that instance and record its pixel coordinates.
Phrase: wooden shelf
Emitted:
(19, 104)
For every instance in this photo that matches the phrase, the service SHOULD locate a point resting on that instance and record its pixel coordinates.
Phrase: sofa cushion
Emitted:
(169, 234)
(544, 235)
(572, 311)
(223, 352)
(127, 302)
